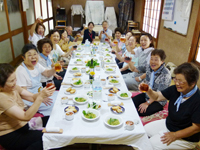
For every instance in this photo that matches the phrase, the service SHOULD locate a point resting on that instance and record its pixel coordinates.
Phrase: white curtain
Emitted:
(110, 16)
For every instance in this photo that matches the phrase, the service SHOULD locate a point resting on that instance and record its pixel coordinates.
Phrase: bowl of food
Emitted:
(77, 83)
(94, 105)
(124, 94)
(109, 69)
(80, 99)
(74, 69)
(111, 97)
(113, 81)
(117, 109)
(78, 54)
(73, 108)
(64, 100)
(113, 121)
(90, 114)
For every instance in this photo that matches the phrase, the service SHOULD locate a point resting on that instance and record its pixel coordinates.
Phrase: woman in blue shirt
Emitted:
(89, 33)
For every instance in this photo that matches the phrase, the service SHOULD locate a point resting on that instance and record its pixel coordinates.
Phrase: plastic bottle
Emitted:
(97, 89)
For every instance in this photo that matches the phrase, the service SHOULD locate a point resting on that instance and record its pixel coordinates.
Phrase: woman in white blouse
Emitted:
(39, 29)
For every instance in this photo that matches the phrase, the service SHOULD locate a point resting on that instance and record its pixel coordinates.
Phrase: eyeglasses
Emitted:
(179, 82)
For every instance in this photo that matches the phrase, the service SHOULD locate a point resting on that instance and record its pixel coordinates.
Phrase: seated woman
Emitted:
(54, 36)
(39, 29)
(181, 128)
(63, 43)
(123, 47)
(124, 67)
(29, 75)
(89, 34)
(143, 53)
(61, 74)
(15, 132)
(159, 78)
(119, 45)
(44, 47)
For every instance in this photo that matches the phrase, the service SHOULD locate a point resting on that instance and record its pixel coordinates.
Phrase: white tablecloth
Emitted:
(81, 131)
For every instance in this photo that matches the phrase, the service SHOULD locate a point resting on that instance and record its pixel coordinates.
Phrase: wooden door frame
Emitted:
(194, 44)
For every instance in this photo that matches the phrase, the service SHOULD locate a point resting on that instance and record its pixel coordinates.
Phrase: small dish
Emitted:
(64, 100)
(77, 83)
(110, 118)
(94, 105)
(93, 111)
(111, 97)
(117, 109)
(114, 90)
(129, 94)
(110, 77)
(109, 69)
(73, 108)
(74, 69)
(90, 94)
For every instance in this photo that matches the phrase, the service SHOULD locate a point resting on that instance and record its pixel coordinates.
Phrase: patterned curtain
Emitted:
(126, 10)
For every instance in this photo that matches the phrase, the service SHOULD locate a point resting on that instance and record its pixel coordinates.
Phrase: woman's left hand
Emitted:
(58, 77)
(168, 138)
(47, 101)
(143, 107)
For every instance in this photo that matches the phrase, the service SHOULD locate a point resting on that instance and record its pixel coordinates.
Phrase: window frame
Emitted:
(142, 17)
(195, 42)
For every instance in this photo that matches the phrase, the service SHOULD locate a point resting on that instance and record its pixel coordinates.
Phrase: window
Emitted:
(151, 17)
(195, 47)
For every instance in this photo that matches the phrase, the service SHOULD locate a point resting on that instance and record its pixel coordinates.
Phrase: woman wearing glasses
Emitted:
(181, 129)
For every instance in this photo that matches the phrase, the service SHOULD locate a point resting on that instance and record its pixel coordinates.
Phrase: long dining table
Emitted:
(80, 130)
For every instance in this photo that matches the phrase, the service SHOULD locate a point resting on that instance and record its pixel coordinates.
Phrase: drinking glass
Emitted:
(50, 83)
(57, 67)
(144, 86)
(127, 57)
(115, 42)
(123, 39)
(41, 19)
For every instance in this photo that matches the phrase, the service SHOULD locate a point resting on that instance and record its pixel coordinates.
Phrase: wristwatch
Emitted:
(148, 102)
(139, 78)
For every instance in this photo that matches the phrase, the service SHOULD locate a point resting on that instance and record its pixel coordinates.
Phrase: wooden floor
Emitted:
(95, 147)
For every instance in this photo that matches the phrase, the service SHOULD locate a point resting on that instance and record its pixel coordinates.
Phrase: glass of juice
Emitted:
(50, 83)
(57, 67)
(41, 19)
(115, 42)
(106, 39)
(123, 39)
(144, 86)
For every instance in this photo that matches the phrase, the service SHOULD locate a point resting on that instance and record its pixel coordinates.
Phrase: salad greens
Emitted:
(113, 81)
(89, 115)
(89, 63)
(78, 82)
(109, 69)
(75, 68)
(78, 60)
(113, 121)
(124, 95)
(80, 99)
(93, 105)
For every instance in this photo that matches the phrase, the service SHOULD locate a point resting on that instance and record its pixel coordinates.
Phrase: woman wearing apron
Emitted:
(29, 76)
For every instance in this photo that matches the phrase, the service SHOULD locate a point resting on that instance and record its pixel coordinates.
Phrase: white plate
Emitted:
(74, 70)
(105, 61)
(107, 55)
(77, 85)
(77, 55)
(77, 76)
(68, 93)
(113, 69)
(81, 102)
(78, 49)
(120, 92)
(114, 79)
(114, 117)
(92, 111)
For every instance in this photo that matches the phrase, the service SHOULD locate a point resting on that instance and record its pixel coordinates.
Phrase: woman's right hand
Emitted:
(38, 20)
(46, 92)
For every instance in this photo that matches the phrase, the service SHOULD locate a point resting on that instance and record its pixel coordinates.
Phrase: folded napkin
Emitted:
(115, 103)
(108, 86)
(52, 130)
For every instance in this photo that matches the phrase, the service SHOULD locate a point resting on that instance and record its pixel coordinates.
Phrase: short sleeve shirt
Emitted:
(188, 113)
(35, 38)
(8, 124)
(23, 78)
(56, 53)
(109, 32)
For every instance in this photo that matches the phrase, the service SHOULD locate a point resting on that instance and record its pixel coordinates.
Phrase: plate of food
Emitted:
(107, 55)
(79, 49)
(77, 83)
(113, 121)
(77, 74)
(78, 54)
(88, 71)
(94, 105)
(109, 69)
(69, 91)
(78, 60)
(74, 69)
(80, 99)
(90, 114)
(114, 90)
(90, 94)
(113, 81)
(110, 77)
(124, 94)
(108, 61)
(73, 108)
(117, 109)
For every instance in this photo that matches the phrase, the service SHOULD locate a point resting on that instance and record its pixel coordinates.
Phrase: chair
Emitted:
(133, 24)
